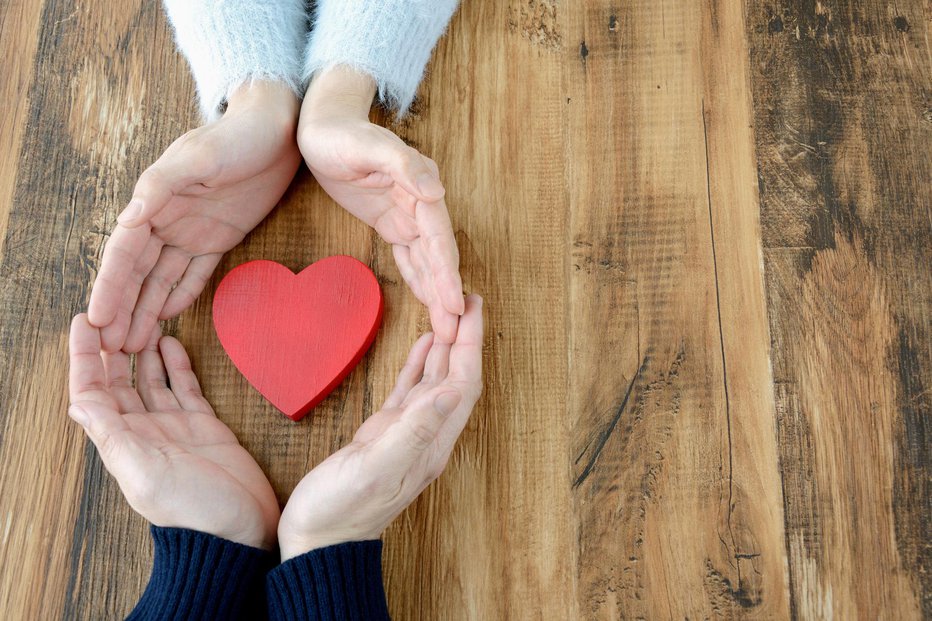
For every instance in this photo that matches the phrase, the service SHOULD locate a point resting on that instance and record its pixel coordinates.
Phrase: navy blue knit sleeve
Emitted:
(199, 576)
(329, 584)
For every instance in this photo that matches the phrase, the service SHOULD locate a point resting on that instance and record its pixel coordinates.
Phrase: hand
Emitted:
(198, 200)
(356, 492)
(176, 463)
(388, 185)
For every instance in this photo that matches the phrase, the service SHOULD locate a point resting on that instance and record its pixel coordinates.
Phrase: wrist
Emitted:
(290, 547)
(339, 91)
(271, 99)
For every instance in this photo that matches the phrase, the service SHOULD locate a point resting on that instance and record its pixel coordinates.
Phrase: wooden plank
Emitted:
(677, 487)
(843, 140)
(90, 123)
(19, 28)
(755, 513)
(495, 538)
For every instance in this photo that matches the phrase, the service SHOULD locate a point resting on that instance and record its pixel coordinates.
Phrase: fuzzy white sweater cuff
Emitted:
(391, 40)
(230, 42)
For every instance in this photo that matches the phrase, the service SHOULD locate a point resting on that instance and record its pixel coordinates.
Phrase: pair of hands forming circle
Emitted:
(217, 182)
(178, 465)
(175, 461)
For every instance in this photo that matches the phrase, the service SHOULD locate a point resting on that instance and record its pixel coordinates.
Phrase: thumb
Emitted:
(79, 415)
(152, 192)
(415, 431)
(417, 174)
(154, 189)
(446, 403)
(424, 423)
(182, 165)
(102, 424)
(410, 170)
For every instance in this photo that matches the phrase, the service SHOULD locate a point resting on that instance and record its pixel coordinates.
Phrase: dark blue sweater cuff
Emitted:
(200, 576)
(329, 584)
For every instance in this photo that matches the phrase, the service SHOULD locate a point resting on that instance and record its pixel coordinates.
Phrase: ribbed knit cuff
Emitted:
(329, 584)
(391, 40)
(199, 576)
(230, 42)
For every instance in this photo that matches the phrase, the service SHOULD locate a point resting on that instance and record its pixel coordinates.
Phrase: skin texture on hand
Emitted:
(198, 200)
(355, 493)
(390, 186)
(176, 463)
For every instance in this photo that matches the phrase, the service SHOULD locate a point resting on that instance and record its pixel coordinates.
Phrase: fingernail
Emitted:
(132, 211)
(78, 415)
(447, 402)
(429, 185)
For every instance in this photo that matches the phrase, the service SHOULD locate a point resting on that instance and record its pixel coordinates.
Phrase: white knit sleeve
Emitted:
(229, 42)
(391, 40)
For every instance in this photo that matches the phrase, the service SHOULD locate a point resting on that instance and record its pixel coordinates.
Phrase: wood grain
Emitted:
(19, 33)
(677, 486)
(843, 135)
(703, 232)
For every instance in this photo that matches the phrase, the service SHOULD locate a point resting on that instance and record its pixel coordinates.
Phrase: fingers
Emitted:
(152, 378)
(408, 272)
(184, 384)
(466, 352)
(416, 273)
(158, 284)
(438, 362)
(113, 335)
(92, 405)
(442, 322)
(191, 284)
(412, 372)
(87, 379)
(120, 382)
(465, 374)
(396, 227)
(105, 378)
(437, 417)
(435, 228)
(123, 250)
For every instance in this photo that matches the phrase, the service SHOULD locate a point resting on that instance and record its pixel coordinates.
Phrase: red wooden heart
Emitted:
(296, 337)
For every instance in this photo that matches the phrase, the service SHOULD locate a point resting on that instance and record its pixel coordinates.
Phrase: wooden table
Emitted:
(703, 233)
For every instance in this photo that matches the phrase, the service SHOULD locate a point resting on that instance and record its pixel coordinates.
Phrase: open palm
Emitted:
(356, 492)
(391, 187)
(203, 195)
(176, 463)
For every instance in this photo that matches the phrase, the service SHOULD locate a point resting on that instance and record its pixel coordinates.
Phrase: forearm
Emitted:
(390, 41)
(231, 42)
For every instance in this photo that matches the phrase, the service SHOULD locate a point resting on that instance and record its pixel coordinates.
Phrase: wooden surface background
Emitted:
(703, 233)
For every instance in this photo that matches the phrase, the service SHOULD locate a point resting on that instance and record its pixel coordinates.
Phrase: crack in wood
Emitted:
(721, 337)
(605, 435)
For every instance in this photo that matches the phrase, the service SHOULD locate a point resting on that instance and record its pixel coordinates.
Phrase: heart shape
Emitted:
(295, 337)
